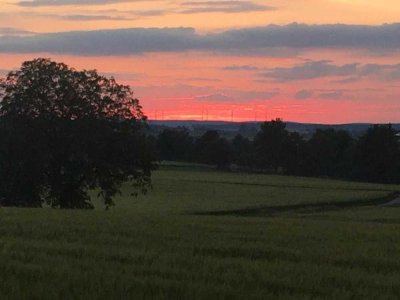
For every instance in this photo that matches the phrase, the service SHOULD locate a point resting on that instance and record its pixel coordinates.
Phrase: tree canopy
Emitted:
(65, 132)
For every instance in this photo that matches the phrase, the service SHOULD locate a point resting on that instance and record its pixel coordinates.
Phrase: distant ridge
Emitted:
(305, 129)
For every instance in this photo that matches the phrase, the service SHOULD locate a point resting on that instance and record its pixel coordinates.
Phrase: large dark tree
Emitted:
(64, 132)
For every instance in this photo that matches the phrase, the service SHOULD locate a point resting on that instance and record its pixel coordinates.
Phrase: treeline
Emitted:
(373, 157)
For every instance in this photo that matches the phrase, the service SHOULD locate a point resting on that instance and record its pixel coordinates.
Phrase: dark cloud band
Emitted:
(140, 40)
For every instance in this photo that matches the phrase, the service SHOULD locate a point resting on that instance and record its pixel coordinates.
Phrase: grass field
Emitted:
(201, 234)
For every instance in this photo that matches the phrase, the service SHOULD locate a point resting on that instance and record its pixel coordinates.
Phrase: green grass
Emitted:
(155, 246)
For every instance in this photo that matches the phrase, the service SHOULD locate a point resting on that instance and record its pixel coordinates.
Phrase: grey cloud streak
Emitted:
(240, 68)
(37, 3)
(296, 37)
(188, 7)
(311, 70)
(237, 96)
(223, 6)
(303, 94)
(321, 69)
(322, 94)
(93, 17)
(10, 31)
(110, 15)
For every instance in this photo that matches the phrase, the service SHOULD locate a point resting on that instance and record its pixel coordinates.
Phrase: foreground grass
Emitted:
(151, 247)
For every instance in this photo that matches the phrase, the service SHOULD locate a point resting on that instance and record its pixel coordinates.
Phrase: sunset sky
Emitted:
(320, 61)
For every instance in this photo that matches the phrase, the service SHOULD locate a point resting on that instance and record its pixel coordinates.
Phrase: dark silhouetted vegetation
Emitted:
(175, 145)
(210, 148)
(374, 156)
(65, 132)
(329, 153)
(377, 155)
(243, 151)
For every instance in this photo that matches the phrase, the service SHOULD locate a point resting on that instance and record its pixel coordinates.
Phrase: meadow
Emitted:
(204, 234)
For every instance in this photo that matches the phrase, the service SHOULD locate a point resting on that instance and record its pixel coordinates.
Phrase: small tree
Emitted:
(85, 131)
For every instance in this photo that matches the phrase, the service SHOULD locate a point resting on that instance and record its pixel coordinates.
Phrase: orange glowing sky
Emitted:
(230, 61)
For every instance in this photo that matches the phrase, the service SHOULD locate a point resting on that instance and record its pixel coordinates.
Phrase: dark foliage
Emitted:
(276, 148)
(375, 156)
(294, 163)
(64, 132)
(243, 152)
(22, 162)
(329, 153)
(213, 149)
(175, 145)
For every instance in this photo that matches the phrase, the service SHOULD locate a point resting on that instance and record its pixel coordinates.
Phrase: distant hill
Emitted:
(249, 129)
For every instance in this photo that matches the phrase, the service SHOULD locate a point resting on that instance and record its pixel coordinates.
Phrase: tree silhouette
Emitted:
(87, 130)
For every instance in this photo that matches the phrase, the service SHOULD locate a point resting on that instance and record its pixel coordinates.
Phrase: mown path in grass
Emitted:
(392, 199)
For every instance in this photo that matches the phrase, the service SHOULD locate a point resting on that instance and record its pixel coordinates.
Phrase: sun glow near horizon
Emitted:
(180, 74)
